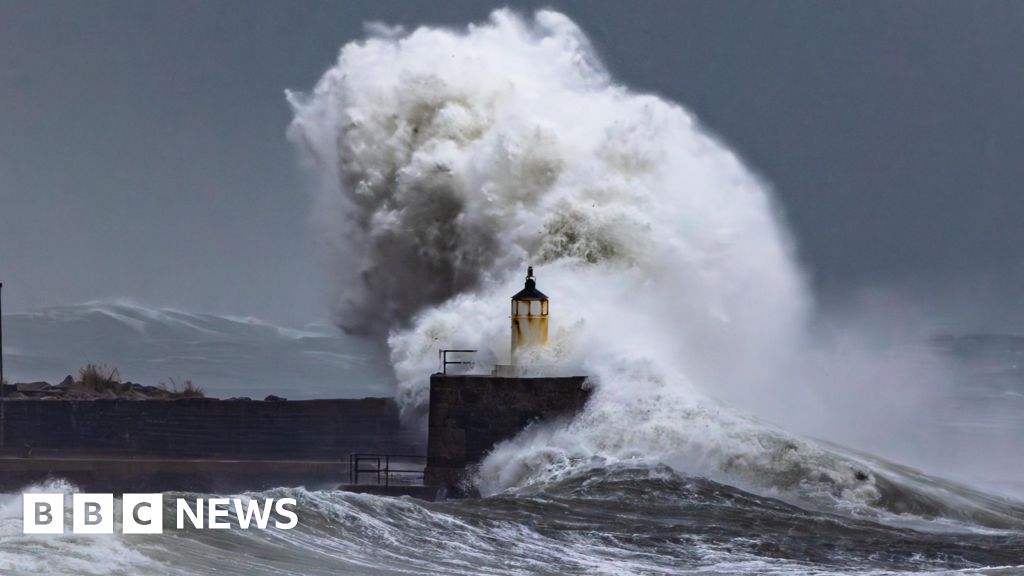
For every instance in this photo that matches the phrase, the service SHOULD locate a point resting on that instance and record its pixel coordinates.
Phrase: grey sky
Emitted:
(142, 149)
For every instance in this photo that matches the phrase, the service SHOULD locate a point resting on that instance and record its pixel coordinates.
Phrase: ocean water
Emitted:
(626, 519)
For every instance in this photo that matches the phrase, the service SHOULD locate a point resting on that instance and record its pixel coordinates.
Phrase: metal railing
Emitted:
(380, 468)
(442, 356)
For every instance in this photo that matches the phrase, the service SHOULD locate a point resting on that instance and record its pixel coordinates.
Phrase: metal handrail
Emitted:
(381, 466)
(442, 355)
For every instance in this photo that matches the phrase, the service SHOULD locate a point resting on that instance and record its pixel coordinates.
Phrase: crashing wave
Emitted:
(450, 159)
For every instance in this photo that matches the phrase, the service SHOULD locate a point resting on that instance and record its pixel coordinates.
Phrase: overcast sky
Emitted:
(142, 148)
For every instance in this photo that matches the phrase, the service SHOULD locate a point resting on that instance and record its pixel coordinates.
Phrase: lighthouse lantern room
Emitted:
(529, 316)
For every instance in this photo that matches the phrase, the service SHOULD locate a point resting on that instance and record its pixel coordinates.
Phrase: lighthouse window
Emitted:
(535, 307)
(544, 308)
(524, 308)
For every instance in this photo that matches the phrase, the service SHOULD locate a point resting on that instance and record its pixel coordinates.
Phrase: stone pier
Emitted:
(197, 444)
(469, 414)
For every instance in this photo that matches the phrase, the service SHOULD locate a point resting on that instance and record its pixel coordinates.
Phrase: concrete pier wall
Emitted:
(470, 414)
(206, 428)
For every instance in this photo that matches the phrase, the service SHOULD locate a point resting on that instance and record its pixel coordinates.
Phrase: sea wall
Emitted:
(205, 428)
(470, 414)
(141, 474)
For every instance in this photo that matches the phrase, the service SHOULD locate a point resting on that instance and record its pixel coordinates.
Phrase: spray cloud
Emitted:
(451, 159)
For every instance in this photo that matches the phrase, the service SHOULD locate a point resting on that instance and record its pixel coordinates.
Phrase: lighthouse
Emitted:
(471, 413)
(529, 316)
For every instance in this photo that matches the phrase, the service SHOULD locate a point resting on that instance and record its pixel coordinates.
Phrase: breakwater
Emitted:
(470, 414)
(195, 442)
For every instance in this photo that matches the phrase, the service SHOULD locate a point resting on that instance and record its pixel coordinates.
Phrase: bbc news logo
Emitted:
(144, 513)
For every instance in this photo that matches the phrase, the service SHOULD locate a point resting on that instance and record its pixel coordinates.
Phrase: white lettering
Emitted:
(293, 518)
(184, 510)
(252, 510)
(218, 509)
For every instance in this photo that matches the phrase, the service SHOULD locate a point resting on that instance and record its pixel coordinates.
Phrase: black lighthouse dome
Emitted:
(530, 292)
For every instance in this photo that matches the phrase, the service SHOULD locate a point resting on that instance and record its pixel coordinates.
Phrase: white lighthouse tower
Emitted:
(529, 317)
